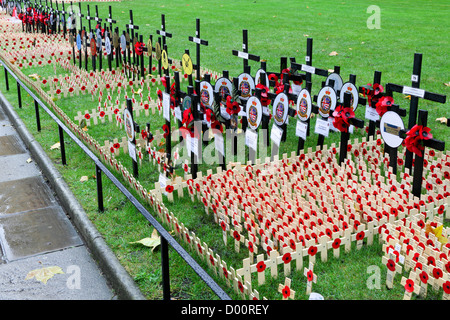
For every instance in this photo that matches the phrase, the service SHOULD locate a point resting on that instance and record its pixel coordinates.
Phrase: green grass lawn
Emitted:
(275, 29)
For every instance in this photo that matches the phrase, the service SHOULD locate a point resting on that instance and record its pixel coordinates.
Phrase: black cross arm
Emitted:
(303, 67)
(436, 97)
(164, 33)
(246, 55)
(431, 143)
(199, 41)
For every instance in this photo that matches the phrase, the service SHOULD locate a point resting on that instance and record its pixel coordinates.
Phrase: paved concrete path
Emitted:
(36, 233)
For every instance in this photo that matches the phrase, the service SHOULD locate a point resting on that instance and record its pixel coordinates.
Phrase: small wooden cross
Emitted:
(411, 285)
(310, 277)
(286, 290)
(393, 268)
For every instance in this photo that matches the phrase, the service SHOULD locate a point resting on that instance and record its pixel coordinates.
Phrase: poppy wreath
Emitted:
(383, 105)
(414, 138)
(265, 101)
(139, 48)
(373, 93)
(342, 116)
(232, 106)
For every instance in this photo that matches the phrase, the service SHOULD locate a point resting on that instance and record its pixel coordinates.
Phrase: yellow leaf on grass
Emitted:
(333, 53)
(84, 179)
(55, 146)
(44, 274)
(153, 242)
(447, 84)
(442, 120)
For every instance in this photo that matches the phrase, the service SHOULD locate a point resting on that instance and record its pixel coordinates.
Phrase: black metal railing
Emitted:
(166, 238)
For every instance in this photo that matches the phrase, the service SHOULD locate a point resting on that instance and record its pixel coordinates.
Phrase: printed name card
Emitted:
(322, 127)
(251, 139)
(276, 134)
(301, 129)
(166, 106)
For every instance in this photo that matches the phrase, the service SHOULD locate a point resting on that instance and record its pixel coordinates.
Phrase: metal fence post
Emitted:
(19, 95)
(165, 268)
(98, 177)
(38, 118)
(6, 79)
(61, 144)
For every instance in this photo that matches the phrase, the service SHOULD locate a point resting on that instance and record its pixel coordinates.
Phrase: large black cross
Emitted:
(244, 53)
(199, 42)
(132, 27)
(110, 20)
(89, 18)
(418, 161)
(96, 18)
(163, 33)
(415, 92)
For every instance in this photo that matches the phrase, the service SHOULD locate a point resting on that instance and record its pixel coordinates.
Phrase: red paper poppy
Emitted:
(260, 266)
(336, 243)
(165, 128)
(286, 292)
(409, 285)
(232, 106)
(169, 189)
(312, 251)
(236, 236)
(423, 277)
(360, 236)
(310, 275)
(383, 105)
(414, 138)
(390, 265)
(446, 287)
(437, 273)
(287, 258)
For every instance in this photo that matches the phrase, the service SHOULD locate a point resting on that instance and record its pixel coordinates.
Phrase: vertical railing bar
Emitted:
(6, 79)
(165, 268)
(61, 145)
(38, 118)
(98, 176)
(19, 95)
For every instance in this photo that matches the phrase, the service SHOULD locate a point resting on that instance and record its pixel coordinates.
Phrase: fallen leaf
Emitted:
(29, 160)
(84, 179)
(306, 35)
(442, 120)
(153, 242)
(447, 84)
(333, 53)
(44, 274)
(55, 146)
(407, 97)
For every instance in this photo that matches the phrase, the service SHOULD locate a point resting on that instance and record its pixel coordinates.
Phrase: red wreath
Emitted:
(414, 138)
(384, 104)
(232, 106)
(373, 93)
(139, 48)
(342, 116)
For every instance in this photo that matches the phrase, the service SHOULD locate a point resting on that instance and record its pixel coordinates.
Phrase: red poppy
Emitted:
(336, 243)
(310, 275)
(139, 48)
(286, 292)
(287, 258)
(437, 273)
(360, 236)
(423, 277)
(414, 138)
(236, 235)
(390, 265)
(232, 106)
(312, 251)
(409, 285)
(446, 287)
(383, 105)
(260, 266)
(169, 189)
(165, 128)
(342, 117)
